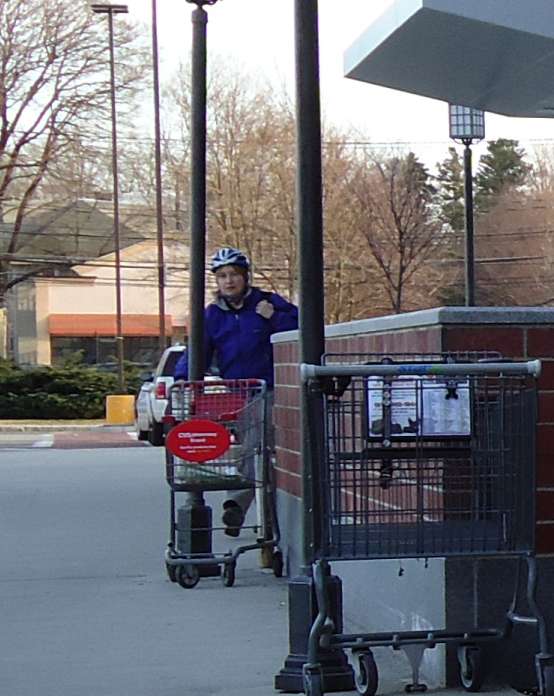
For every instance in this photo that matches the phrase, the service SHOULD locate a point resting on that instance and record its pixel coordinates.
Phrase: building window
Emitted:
(26, 298)
(102, 350)
(63, 348)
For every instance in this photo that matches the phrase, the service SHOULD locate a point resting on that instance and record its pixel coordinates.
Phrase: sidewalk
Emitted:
(88, 608)
(59, 425)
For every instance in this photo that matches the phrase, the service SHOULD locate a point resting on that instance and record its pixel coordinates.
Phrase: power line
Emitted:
(130, 215)
(77, 233)
(291, 141)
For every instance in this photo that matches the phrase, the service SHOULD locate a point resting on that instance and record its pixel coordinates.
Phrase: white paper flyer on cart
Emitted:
(432, 407)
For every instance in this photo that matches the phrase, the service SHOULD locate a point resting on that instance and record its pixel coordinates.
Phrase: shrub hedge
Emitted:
(69, 391)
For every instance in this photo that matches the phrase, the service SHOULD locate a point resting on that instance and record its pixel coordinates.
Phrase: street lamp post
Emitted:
(158, 174)
(110, 10)
(467, 125)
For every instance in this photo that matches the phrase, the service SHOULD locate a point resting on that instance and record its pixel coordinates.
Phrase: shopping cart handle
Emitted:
(530, 367)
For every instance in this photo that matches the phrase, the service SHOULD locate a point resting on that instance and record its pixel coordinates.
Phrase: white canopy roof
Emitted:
(494, 55)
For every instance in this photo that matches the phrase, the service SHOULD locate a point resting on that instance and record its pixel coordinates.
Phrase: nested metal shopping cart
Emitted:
(218, 442)
(425, 459)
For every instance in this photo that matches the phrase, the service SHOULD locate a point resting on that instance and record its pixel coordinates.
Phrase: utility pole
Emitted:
(110, 10)
(158, 173)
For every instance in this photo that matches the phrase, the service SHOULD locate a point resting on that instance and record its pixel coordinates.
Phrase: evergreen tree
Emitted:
(450, 180)
(451, 204)
(503, 166)
(415, 174)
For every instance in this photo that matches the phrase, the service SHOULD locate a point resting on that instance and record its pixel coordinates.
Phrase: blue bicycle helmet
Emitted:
(227, 256)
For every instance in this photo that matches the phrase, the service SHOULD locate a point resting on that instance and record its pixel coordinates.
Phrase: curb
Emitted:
(60, 427)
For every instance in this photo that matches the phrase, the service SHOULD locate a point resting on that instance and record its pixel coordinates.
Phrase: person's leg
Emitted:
(235, 508)
(237, 503)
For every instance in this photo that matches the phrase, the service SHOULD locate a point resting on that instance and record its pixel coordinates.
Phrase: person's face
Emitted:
(230, 281)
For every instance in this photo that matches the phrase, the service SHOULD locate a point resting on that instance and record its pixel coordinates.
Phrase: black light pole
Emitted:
(198, 190)
(469, 218)
(467, 125)
(158, 173)
(337, 673)
(195, 517)
(110, 10)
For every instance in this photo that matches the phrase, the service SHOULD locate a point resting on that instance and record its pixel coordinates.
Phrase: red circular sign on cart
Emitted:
(198, 440)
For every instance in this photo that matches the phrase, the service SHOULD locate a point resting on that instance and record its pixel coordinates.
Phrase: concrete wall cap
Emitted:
(438, 316)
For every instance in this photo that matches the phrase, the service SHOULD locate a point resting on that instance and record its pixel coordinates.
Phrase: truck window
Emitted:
(171, 362)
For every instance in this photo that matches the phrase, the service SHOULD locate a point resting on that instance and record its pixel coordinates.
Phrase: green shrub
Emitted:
(69, 391)
(6, 368)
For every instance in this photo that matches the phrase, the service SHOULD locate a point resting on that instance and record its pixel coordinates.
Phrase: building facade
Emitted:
(51, 318)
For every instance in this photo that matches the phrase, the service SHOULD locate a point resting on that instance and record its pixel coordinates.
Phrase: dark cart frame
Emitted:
(415, 484)
(240, 406)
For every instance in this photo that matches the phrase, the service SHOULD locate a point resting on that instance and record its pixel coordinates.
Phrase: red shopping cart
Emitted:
(218, 442)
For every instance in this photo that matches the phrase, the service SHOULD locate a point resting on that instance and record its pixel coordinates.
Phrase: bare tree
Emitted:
(379, 221)
(514, 254)
(53, 90)
(251, 151)
(80, 170)
(396, 219)
(349, 270)
(541, 176)
(250, 172)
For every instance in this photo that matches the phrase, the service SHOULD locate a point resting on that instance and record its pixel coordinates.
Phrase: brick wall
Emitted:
(519, 333)
(287, 389)
(524, 343)
(286, 416)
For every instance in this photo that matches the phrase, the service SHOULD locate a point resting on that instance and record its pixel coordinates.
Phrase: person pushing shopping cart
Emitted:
(238, 325)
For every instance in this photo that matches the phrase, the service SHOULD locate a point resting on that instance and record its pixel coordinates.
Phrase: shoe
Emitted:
(232, 518)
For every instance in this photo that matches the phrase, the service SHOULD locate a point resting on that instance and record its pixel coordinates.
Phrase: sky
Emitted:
(257, 36)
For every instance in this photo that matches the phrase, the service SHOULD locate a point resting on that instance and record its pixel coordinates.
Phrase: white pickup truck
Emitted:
(152, 398)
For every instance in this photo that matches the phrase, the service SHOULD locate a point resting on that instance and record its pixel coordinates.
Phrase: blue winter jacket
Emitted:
(240, 338)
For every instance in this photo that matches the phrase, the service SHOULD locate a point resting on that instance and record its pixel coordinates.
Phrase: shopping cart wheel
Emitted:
(188, 576)
(548, 681)
(367, 676)
(277, 564)
(471, 667)
(229, 574)
(171, 572)
(156, 434)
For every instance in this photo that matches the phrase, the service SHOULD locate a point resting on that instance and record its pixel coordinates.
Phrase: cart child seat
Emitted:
(218, 407)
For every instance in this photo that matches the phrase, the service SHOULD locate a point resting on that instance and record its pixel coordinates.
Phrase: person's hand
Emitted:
(265, 309)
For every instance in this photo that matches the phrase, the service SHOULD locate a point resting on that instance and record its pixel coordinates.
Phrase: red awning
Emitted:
(105, 325)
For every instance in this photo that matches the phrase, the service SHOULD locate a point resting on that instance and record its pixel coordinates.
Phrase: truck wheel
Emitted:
(156, 435)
